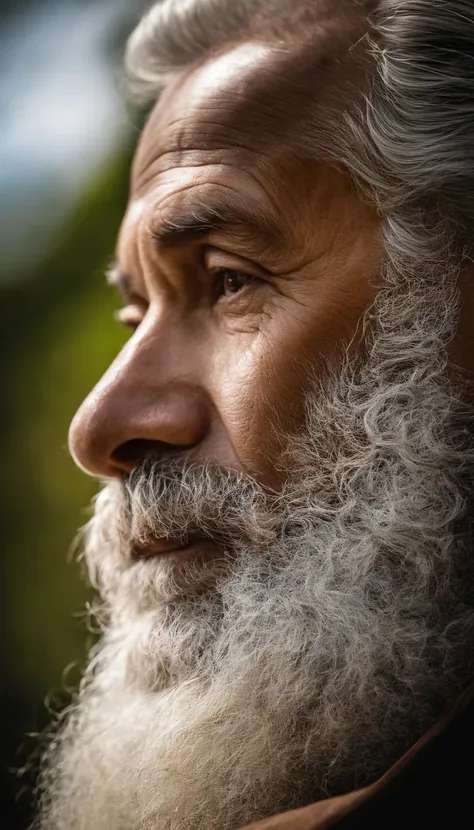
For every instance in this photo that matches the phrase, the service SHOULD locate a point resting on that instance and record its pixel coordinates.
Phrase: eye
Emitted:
(230, 281)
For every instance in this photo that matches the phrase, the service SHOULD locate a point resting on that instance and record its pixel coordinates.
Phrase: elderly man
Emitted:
(283, 543)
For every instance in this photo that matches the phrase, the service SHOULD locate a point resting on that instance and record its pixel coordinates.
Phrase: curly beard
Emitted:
(322, 634)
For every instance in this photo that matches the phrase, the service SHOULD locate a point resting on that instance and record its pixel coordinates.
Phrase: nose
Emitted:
(146, 404)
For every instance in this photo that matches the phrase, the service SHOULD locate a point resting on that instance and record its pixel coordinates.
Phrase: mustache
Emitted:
(180, 499)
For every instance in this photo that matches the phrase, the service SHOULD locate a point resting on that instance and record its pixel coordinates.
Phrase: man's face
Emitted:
(244, 269)
(321, 628)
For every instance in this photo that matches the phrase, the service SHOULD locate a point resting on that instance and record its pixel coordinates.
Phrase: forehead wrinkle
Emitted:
(259, 111)
(195, 115)
(199, 140)
(277, 100)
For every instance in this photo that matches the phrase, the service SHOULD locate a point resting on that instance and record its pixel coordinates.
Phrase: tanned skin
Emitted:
(209, 367)
(220, 358)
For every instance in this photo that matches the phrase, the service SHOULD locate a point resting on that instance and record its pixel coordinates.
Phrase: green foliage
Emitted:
(57, 335)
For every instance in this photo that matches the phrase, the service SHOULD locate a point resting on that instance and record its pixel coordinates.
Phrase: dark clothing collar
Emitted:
(430, 788)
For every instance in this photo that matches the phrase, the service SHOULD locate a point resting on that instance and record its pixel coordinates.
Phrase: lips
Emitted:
(159, 547)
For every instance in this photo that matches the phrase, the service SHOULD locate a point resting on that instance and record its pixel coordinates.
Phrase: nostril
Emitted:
(132, 452)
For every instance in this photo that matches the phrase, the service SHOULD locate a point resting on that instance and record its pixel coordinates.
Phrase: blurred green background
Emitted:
(66, 142)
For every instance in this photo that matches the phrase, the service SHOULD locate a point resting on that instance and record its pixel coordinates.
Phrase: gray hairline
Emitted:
(402, 142)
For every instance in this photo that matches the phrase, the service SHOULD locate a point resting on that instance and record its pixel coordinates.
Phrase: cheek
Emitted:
(260, 380)
(248, 397)
(259, 383)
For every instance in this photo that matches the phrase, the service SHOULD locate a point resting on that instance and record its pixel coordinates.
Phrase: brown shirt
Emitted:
(430, 787)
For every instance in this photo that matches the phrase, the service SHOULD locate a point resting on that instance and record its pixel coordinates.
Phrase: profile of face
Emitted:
(243, 273)
(243, 270)
(278, 444)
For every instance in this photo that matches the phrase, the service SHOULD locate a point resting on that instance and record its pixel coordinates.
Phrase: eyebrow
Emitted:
(117, 278)
(197, 221)
(202, 219)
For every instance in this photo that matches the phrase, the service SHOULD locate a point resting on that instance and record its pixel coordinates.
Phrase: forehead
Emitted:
(256, 95)
(229, 128)
(215, 135)
(230, 107)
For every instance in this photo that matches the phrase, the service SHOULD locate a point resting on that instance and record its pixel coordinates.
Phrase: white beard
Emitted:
(324, 642)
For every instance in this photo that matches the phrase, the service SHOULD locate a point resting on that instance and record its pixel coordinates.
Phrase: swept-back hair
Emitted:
(406, 135)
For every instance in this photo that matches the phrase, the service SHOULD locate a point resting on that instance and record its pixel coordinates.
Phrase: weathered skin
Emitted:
(209, 376)
(246, 269)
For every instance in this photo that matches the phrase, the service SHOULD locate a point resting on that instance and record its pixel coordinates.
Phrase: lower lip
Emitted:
(190, 551)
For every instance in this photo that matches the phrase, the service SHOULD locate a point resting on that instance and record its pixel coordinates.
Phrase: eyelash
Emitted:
(223, 278)
(220, 275)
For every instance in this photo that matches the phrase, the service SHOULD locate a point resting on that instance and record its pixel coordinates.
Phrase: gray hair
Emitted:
(403, 129)
(362, 635)
(408, 137)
